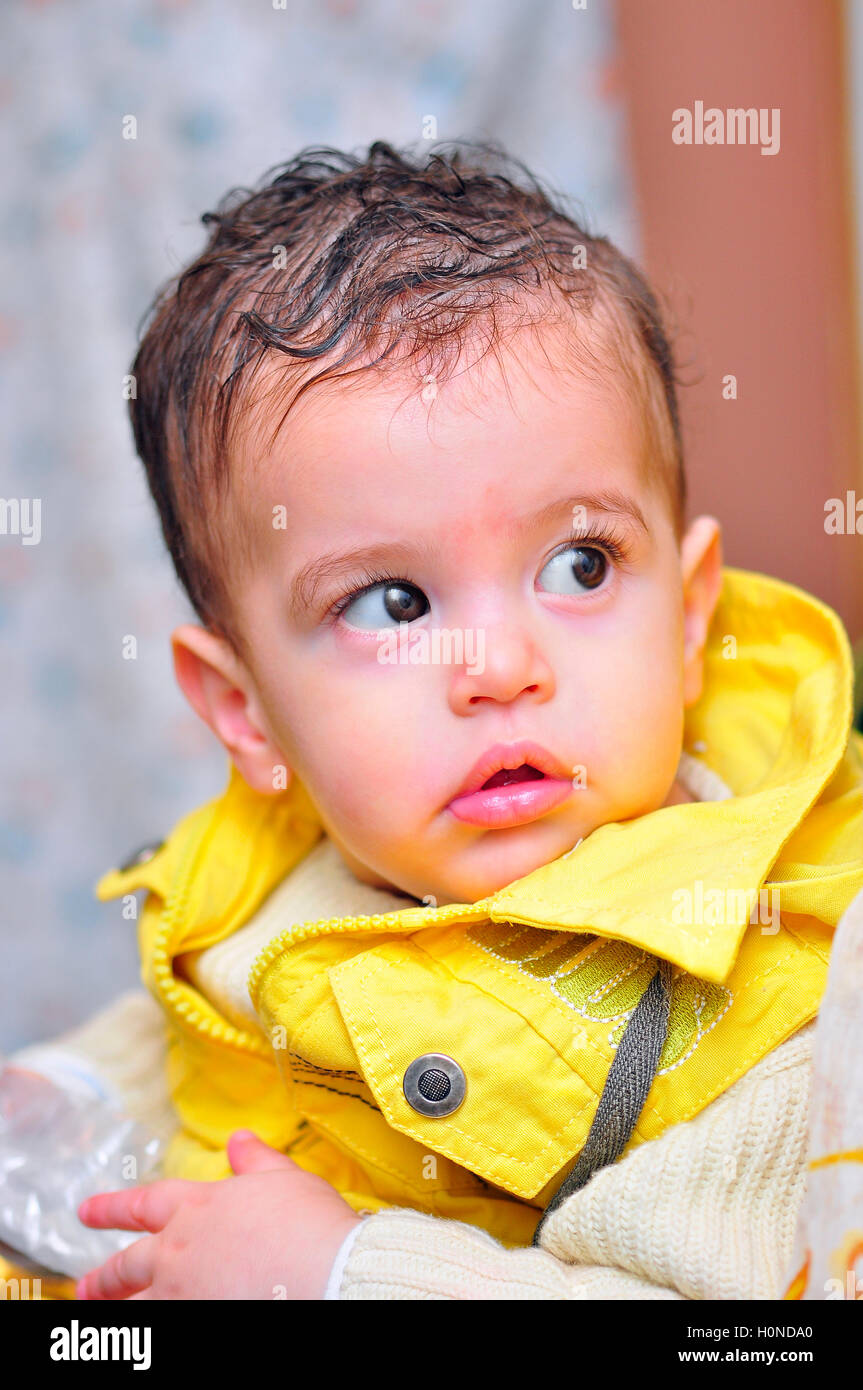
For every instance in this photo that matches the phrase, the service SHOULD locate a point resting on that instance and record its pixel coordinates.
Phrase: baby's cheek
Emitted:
(643, 729)
(364, 793)
(380, 758)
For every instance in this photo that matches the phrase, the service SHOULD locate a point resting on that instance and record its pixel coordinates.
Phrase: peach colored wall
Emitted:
(757, 254)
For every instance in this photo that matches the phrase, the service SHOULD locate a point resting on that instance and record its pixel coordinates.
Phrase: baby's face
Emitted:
(513, 515)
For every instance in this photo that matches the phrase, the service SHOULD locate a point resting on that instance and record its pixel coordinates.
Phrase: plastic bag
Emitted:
(58, 1147)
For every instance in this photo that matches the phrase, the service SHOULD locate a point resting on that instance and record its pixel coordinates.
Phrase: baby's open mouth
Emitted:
(506, 776)
(508, 765)
(511, 784)
(514, 795)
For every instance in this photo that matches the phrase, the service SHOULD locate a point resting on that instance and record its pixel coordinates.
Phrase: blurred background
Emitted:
(757, 255)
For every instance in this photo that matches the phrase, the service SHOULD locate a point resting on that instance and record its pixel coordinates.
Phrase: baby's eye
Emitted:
(372, 608)
(573, 570)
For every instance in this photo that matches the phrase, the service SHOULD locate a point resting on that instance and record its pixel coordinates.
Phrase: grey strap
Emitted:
(629, 1079)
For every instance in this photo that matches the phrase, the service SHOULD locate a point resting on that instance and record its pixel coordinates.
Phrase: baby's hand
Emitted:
(273, 1231)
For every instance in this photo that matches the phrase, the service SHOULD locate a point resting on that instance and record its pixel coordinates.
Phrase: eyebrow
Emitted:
(336, 565)
(608, 502)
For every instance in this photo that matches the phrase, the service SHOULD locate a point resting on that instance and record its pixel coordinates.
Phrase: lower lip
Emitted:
(518, 804)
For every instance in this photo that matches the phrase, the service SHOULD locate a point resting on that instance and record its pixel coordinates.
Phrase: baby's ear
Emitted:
(221, 691)
(701, 568)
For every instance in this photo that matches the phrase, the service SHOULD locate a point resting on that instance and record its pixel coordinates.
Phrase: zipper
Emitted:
(171, 992)
(346, 926)
(227, 1033)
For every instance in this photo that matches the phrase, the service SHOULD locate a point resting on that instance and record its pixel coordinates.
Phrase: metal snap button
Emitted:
(141, 856)
(434, 1085)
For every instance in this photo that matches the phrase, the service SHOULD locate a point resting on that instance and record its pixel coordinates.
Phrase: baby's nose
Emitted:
(507, 665)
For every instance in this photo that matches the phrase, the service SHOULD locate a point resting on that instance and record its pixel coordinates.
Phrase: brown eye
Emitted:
(404, 603)
(380, 605)
(574, 570)
(589, 567)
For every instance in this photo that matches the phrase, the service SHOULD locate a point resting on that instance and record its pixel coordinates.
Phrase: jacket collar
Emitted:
(772, 724)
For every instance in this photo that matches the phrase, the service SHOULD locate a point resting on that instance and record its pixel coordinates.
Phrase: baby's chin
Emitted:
(501, 858)
(466, 877)
(498, 858)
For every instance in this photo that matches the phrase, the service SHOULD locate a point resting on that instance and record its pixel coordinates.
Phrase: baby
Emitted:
(413, 437)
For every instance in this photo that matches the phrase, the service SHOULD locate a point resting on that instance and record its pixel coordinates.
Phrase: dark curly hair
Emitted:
(373, 261)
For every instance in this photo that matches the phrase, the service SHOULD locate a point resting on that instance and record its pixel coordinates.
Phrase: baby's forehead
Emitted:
(533, 368)
(401, 452)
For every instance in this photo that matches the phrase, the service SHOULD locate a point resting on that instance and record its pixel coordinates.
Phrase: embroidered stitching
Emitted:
(319, 1085)
(605, 987)
(325, 1071)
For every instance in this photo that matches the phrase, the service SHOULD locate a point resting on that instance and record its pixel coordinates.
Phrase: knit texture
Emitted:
(706, 1211)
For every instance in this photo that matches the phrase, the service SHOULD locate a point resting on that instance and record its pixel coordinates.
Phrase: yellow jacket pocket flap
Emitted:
(525, 1111)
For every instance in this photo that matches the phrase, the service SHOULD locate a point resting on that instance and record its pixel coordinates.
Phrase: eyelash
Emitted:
(368, 581)
(610, 541)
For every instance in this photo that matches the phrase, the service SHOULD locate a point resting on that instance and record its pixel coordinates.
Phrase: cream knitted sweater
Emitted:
(706, 1211)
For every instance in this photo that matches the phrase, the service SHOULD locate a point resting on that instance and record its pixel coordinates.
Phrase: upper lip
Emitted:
(511, 756)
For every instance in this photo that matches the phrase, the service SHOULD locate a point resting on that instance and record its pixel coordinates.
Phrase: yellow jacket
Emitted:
(529, 989)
